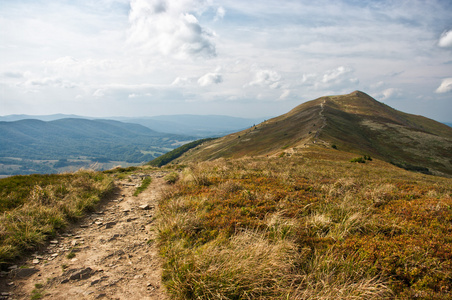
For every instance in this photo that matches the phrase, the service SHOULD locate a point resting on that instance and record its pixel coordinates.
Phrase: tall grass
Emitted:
(306, 227)
(36, 207)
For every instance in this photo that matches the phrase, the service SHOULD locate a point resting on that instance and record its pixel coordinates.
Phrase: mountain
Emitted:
(12, 118)
(97, 140)
(192, 125)
(354, 123)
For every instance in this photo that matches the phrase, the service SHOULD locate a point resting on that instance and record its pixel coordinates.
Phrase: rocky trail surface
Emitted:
(110, 254)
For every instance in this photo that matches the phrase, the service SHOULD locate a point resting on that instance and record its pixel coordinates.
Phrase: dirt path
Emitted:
(321, 117)
(114, 254)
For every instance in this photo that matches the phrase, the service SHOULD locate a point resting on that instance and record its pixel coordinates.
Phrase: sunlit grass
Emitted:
(312, 226)
(36, 207)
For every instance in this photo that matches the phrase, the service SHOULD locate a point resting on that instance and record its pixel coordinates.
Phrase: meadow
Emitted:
(34, 208)
(312, 225)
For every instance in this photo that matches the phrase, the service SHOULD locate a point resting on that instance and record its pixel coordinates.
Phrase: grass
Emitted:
(171, 178)
(172, 155)
(35, 207)
(306, 227)
(310, 225)
(144, 185)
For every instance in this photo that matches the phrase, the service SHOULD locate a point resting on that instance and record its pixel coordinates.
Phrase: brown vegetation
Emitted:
(306, 227)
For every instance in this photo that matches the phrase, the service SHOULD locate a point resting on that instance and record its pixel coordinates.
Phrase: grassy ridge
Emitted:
(34, 207)
(355, 123)
(306, 227)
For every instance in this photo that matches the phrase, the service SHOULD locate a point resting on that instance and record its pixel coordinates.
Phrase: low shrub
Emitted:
(171, 178)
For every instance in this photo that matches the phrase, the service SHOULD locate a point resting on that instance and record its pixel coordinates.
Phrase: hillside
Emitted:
(69, 139)
(355, 123)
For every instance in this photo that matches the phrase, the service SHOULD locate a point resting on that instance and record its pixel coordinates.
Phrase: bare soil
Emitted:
(111, 254)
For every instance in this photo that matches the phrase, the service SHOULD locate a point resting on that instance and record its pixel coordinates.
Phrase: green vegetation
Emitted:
(36, 294)
(32, 146)
(171, 178)
(35, 207)
(144, 185)
(361, 159)
(308, 226)
(172, 155)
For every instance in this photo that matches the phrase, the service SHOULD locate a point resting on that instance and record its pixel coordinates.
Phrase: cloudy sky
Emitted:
(233, 57)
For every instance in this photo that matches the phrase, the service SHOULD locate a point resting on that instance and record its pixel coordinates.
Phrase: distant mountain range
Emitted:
(191, 125)
(354, 123)
(77, 139)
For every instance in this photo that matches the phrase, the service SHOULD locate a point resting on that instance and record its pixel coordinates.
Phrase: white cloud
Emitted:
(377, 85)
(134, 95)
(181, 81)
(445, 40)
(221, 12)
(210, 78)
(99, 93)
(445, 86)
(335, 75)
(50, 82)
(340, 76)
(268, 78)
(169, 28)
(390, 93)
(284, 95)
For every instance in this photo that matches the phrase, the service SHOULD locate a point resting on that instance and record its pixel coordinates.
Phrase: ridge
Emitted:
(353, 122)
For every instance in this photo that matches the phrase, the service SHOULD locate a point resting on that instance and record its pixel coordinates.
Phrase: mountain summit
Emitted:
(355, 123)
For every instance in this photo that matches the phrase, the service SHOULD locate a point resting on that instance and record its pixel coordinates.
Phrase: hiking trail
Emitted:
(110, 254)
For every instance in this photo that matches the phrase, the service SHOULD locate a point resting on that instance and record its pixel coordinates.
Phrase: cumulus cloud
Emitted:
(445, 40)
(210, 78)
(340, 76)
(390, 93)
(268, 78)
(169, 28)
(445, 87)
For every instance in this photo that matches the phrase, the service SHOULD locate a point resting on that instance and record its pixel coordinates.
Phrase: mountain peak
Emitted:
(358, 94)
(354, 122)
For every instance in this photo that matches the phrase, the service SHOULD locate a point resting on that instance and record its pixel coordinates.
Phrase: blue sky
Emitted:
(239, 58)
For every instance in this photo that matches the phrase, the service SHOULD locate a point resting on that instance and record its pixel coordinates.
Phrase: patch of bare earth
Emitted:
(111, 254)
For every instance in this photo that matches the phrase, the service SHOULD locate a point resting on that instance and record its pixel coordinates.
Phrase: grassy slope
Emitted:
(358, 123)
(34, 207)
(354, 122)
(310, 226)
(268, 137)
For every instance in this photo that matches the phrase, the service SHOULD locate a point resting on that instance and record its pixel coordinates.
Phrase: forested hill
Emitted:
(71, 138)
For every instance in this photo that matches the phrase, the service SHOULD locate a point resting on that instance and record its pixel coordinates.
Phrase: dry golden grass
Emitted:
(35, 207)
(309, 226)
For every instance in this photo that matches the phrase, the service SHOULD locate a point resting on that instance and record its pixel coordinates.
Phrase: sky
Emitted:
(240, 58)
